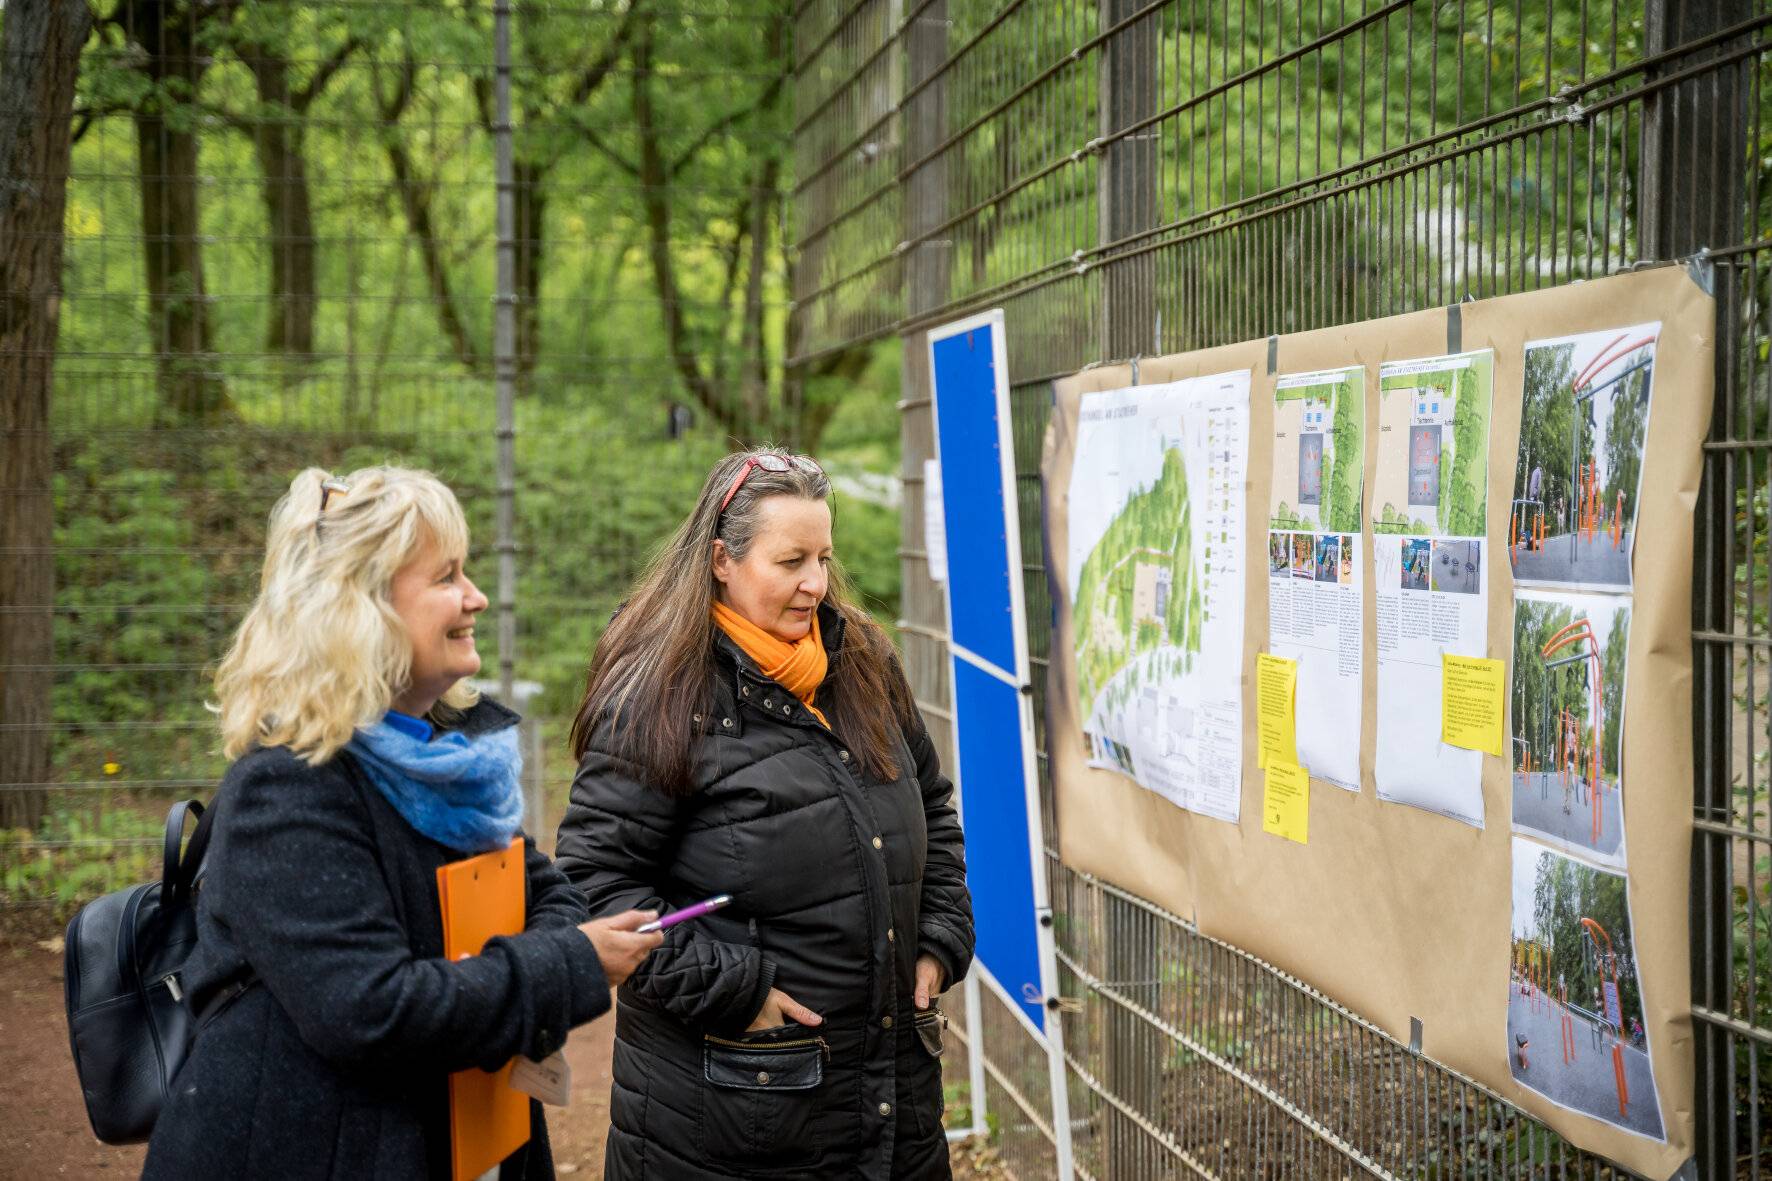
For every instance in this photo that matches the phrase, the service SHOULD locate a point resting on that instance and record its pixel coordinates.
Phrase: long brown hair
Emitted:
(652, 672)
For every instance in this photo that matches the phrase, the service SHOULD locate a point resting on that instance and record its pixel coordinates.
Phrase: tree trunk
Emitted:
(191, 385)
(753, 347)
(529, 178)
(40, 44)
(415, 202)
(289, 211)
(655, 198)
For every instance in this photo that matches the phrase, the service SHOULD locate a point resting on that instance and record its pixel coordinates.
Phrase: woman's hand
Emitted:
(778, 1009)
(619, 946)
(930, 978)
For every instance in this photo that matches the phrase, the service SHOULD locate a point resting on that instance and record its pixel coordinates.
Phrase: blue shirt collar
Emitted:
(407, 724)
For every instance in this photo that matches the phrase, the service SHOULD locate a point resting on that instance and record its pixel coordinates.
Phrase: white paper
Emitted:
(935, 526)
(1316, 575)
(1157, 537)
(1430, 570)
(549, 1080)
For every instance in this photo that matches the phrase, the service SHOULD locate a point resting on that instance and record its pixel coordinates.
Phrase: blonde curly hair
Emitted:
(322, 651)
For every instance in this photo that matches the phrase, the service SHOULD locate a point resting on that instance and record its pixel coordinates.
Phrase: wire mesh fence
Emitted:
(1129, 178)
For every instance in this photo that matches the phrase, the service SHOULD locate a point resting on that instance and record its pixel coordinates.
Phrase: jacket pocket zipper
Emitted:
(768, 1047)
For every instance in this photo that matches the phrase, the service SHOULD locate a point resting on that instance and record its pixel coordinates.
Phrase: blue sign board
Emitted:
(993, 719)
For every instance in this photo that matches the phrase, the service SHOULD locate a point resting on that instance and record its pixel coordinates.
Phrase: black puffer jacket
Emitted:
(838, 884)
(336, 1063)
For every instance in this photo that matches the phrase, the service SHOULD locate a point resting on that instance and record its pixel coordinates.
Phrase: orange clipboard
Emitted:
(482, 897)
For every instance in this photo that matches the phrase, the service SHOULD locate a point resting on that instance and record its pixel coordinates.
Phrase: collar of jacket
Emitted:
(484, 717)
(745, 671)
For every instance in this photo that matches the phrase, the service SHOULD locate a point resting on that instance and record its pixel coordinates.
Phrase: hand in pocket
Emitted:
(778, 1009)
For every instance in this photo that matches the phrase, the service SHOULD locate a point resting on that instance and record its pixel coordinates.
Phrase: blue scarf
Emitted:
(462, 792)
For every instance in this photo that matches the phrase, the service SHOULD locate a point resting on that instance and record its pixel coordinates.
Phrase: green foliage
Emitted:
(1467, 512)
(1342, 484)
(79, 854)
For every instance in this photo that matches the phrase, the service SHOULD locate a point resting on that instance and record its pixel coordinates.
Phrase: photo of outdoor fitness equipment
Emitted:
(1328, 557)
(1417, 557)
(1279, 553)
(1303, 553)
(1574, 1002)
(1584, 418)
(1456, 567)
(1567, 700)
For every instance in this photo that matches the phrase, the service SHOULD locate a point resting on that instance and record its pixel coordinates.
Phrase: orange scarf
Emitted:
(798, 667)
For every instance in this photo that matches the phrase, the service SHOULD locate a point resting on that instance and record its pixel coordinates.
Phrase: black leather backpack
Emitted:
(128, 1022)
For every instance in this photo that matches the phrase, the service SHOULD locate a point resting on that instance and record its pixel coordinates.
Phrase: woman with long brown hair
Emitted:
(747, 731)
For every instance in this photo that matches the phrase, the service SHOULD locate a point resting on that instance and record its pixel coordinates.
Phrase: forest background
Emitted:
(279, 249)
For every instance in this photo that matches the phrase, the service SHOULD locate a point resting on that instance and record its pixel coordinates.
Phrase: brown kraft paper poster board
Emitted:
(1393, 911)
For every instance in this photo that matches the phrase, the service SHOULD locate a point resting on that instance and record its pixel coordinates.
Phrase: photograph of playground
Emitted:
(1328, 557)
(1574, 1004)
(1567, 705)
(1584, 420)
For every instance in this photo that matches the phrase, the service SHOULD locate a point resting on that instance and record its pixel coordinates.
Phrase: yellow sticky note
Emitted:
(1473, 702)
(1286, 802)
(1276, 691)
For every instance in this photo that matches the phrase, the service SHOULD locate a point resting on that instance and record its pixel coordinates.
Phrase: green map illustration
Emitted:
(1462, 462)
(1341, 452)
(1138, 591)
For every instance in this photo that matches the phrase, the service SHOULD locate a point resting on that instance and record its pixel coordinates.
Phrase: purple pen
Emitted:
(692, 911)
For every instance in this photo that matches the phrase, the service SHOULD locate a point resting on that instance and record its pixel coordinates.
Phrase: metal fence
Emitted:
(1130, 178)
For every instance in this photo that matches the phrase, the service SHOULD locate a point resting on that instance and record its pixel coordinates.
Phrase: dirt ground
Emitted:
(46, 1134)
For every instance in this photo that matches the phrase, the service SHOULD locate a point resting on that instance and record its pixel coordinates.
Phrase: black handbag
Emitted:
(128, 1024)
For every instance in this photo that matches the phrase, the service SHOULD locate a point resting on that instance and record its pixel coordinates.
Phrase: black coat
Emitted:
(838, 884)
(336, 1063)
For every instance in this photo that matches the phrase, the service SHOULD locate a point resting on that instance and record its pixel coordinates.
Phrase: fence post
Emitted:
(1127, 189)
(1127, 182)
(504, 348)
(926, 274)
(1694, 155)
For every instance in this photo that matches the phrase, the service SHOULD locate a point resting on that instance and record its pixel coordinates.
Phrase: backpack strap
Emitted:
(176, 872)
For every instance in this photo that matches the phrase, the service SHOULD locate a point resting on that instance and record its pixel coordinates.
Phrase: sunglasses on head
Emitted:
(328, 489)
(770, 461)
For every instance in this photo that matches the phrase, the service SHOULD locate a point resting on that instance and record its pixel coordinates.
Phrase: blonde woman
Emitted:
(747, 731)
(329, 1020)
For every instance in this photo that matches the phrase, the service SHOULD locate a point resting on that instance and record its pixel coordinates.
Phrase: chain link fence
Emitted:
(1129, 178)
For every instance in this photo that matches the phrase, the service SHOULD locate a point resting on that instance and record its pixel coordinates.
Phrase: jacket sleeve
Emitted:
(302, 892)
(945, 926)
(615, 844)
(553, 900)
